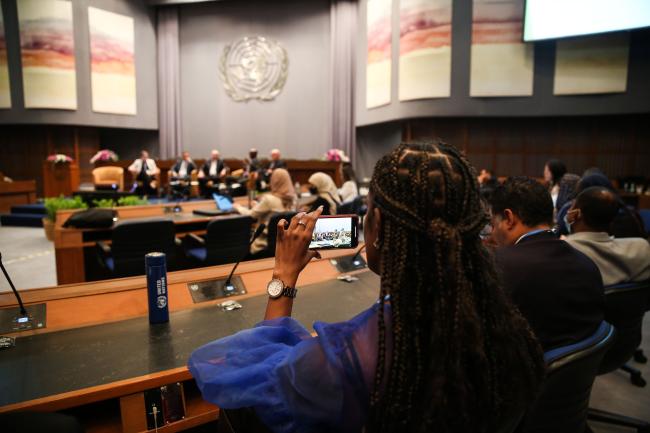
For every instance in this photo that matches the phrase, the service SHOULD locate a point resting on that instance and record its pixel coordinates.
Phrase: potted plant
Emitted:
(59, 158)
(52, 205)
(132, 200)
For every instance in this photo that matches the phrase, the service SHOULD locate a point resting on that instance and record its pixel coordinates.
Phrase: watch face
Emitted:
(275, 288)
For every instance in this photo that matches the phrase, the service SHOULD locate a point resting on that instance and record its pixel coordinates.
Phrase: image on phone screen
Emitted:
(334, 232)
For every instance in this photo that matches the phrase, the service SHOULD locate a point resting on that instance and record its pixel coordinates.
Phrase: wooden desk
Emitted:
(99, 353)
(69, 243)
(299, 169)
(16, 193)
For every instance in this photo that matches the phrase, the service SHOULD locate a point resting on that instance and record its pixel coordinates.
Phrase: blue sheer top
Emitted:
(295, 382)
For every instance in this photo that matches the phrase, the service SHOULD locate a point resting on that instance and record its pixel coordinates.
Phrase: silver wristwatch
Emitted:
(277, 288)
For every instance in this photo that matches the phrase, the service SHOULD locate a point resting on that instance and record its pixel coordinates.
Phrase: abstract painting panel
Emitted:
(592, 64)
(378, 66)
(425, 49)
(47, 53)
(5, 92)
(112, 62)
(501, 64)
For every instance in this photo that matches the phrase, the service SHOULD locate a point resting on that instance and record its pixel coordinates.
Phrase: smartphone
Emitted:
(335, 232)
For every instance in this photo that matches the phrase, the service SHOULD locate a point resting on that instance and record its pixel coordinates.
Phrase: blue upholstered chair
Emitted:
(562, 404)
(226, 241)
(625, 306)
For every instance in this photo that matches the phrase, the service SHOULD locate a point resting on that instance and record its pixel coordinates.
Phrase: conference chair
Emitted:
(625, 306)
(132, 240)
(226, 241)
(109, 177)
(645, 216)
(273, 233)
(352, 207)
(561, 406)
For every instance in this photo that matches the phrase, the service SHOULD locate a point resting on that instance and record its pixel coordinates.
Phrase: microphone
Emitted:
(23, 312)
(228, 287)
(350, 263)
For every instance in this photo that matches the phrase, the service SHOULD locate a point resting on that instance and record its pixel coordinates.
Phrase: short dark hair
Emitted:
(526, 198)
(557, 169)
(594, 179)
(599, 206)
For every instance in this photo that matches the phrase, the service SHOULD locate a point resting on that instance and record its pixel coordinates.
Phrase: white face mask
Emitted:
(566, 221)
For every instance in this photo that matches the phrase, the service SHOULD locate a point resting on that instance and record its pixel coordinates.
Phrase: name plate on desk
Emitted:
(203, 291)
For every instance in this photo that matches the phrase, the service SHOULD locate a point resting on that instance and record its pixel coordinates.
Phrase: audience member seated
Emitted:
(276, 162)
(282, 198)
(327, 195)
(619, 260)
(144, 172)
(557, 288)
(487, 181)
(567, 191)
(212, 173)
(554, 169)
(350, 189)
(180, 176)
(626, 224)
(441, 349)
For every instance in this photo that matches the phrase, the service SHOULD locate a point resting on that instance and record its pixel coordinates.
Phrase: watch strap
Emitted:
(289, 292)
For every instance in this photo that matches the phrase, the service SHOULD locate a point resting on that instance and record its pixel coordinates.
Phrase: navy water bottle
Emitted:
(156, 269)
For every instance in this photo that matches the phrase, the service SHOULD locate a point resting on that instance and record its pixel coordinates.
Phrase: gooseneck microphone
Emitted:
(260, 228)
(356, 256)
(23, 312)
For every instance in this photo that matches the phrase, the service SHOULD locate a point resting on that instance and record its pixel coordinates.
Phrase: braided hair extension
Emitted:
(462, 355)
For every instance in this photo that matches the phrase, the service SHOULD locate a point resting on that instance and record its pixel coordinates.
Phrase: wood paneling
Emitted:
(16, 193)
(619, 145)
(23, 148)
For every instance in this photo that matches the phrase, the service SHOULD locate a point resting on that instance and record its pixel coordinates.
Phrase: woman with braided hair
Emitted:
(443, 349)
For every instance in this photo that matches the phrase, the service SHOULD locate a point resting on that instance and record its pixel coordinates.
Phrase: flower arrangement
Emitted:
(336, 155)
(104, 155)
(59, 158)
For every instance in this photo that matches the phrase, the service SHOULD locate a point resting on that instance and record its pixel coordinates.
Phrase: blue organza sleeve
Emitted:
(295, 382)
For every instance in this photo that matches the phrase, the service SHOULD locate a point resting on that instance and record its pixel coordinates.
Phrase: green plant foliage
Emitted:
(132, 200)
(104, 202)
(53, 204)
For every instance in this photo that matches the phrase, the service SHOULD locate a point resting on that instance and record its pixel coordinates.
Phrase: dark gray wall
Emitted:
(542, 103)
(145, 62)
(297, 121)
(372, 143)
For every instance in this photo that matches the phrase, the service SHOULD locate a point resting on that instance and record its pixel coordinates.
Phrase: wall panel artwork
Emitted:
(425, 49)
(592, 64)
(501, 64)
(5, 92)
(379, 64)
(47, 54)
(112, 62)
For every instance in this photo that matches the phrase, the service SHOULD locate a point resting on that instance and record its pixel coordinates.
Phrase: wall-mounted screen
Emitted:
(549, 19)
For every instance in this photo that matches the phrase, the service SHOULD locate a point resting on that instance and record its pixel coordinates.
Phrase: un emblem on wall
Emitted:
(254, 67)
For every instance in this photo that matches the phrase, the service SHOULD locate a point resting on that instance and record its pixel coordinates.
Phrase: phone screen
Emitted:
(335, 232)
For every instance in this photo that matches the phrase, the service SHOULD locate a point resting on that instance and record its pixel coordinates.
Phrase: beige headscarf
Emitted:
(326, 189)
(282, 188)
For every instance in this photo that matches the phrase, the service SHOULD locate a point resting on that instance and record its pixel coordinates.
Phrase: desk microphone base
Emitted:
(346, 264)
(12, 321)
(203, 291)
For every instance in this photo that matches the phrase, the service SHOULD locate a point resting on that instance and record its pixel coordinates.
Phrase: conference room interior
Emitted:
(192, 128)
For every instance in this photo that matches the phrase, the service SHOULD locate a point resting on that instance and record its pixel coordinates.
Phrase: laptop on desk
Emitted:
(224, 207)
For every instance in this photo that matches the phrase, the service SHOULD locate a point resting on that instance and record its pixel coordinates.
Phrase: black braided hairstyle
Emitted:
(462, 356)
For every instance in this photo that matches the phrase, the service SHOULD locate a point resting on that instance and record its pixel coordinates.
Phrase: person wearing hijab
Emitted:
(282, 198)
(323, 186)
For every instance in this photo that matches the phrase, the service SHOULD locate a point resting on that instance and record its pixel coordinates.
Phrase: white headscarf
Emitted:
(326, 189)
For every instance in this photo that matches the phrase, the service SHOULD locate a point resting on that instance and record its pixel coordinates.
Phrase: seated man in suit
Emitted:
(213, 171)
(180, 176)
(276, 162)
(588, 220)
(144, 172)
(557, 288)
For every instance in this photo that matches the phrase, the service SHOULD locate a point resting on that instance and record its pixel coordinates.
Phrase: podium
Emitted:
(61, 178)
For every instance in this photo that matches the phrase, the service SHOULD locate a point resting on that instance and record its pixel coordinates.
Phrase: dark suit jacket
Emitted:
(556, 287)
(190, 166)
(206, 167)
(277, 164)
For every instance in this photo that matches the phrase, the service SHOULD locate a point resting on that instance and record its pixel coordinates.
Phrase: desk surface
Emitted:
(56, 363)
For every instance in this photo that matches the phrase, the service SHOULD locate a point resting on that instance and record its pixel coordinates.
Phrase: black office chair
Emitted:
(132, 240)
(625, 306)
(226, 241)
(272, 233)
(562, 404)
